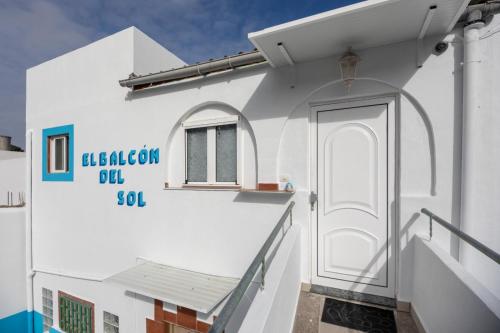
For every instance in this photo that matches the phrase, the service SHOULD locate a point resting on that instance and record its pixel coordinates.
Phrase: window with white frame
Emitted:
(58, 154)
(212, 152)
(111, 323)
(47, 310)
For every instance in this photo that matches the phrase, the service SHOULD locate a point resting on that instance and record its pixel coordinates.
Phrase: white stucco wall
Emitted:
(12, 261)
(7, 155)
(447, 298)
(12, 176)
(423, 182)
(79, 228)
(132, 309)
(481, 210)
(272, 309)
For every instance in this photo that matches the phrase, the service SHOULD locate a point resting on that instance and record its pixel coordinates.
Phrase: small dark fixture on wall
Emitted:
(441, 47)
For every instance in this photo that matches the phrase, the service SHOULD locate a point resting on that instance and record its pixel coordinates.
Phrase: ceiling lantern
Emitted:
(348, 65)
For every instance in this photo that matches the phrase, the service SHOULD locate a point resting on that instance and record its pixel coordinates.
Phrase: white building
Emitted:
(12, 233)
(139, 192)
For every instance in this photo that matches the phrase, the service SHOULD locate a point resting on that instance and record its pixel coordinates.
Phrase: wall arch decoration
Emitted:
(175, 142)
(371, 87)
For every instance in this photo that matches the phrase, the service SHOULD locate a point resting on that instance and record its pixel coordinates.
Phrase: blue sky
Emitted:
(33, 31)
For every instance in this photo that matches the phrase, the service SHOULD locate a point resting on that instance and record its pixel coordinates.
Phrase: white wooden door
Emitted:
(354, 243)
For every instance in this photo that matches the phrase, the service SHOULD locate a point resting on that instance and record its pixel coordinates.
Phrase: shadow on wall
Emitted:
(405, 254)
(283, 95)
(262, 198)
(364, 88)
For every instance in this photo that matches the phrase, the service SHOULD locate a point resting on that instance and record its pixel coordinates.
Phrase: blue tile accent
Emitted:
(38, 322)
(17, 323)
(48, 132)
(22, 322)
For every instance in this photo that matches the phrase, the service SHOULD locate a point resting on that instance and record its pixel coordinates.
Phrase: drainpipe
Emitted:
(471, 139)
(29, 234)
(479, 207)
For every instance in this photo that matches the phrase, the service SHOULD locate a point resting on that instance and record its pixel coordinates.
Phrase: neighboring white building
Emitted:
(136, 194)
(12, 178)
(12, 233)
(12, 173)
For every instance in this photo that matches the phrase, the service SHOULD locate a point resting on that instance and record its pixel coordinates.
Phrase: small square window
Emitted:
(57, 151)
(212, 155)
(58, 154)
(111, 323)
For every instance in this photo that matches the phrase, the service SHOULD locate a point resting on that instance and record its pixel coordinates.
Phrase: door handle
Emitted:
(313, 198)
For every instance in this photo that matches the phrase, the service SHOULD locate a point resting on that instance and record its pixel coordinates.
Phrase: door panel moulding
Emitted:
(391, 99)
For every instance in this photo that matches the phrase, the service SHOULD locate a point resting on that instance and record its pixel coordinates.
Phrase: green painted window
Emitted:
(75, 315)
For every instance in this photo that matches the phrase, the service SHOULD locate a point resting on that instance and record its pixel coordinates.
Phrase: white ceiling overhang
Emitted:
(362, 25)
(193, 290)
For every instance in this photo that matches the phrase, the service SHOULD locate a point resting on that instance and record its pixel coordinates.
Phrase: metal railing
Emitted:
(10, 200)
(465, 237)
(259, 261)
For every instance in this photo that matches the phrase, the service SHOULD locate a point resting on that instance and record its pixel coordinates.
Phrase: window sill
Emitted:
(267, 191)
(200, 187)
(234, 188)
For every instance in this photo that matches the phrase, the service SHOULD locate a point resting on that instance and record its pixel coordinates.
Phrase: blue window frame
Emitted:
(61, 169)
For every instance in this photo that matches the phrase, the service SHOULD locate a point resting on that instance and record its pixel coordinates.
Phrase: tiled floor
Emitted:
(307, 318)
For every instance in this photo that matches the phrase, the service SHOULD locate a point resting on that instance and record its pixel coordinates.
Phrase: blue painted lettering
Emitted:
(103, 176)
(85, 159)
(102, 159)
(115, 176)
(131, 159)
(120, 179)
(121, 199)
(112, 176)
(154, 156)
(113, 158)
(140, 199)
(92, 160)
(121, 160)
(131, 198)
(143, 156)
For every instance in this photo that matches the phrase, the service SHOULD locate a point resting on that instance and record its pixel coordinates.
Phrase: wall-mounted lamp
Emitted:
(348, 65)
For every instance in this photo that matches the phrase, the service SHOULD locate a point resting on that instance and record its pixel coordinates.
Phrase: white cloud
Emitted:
(33, 31)
(30, 33)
